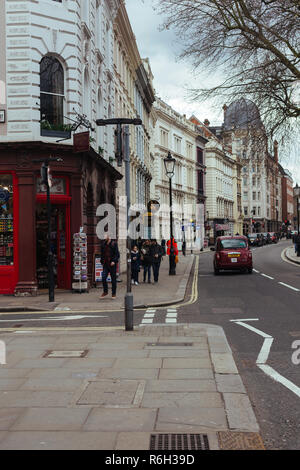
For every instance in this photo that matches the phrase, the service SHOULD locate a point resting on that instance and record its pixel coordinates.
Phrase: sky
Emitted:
(173, 77)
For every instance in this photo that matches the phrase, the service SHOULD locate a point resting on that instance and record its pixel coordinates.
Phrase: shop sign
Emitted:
(58, 186)
(81, 142)
(2, 116)
(223, 227)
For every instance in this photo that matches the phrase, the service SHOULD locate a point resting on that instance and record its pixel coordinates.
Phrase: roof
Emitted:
(242, 114)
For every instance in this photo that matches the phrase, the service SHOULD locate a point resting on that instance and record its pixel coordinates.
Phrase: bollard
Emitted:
(129, 311)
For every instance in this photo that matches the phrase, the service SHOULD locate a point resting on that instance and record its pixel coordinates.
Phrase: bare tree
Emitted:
(253, 44)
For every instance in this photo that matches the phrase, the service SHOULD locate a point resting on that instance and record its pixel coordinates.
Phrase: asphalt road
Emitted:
(273, 310)
(260, 316)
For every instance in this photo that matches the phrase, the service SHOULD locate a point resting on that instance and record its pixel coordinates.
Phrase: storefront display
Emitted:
(80, 262)
(6, 221)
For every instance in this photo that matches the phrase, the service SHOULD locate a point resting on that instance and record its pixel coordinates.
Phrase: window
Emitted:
(6, 220)
(200, 156)
(52, 93)
(177, 144)
(229, 244)
(245, 210)
(164, 137)
(254, 195)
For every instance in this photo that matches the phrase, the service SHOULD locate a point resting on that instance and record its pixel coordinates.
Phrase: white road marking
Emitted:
(290, 287)
(263, 357)
(265, 275)
(255, 270)
(148, 316)
(65, 318)
(279, 378)
(245, 319)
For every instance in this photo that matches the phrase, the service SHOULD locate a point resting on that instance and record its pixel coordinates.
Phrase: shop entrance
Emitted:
(60, 245)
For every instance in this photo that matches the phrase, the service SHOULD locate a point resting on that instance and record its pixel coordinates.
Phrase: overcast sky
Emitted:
(172, 77)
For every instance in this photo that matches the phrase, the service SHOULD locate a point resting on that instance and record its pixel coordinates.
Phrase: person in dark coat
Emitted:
(109, 259)
(297, 244)
(146, 257)
(135, 265)
(156, 259)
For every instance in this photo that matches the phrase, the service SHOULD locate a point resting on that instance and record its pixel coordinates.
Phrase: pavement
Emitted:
(165, 387)
(169, 290)
(108, 389)
(291, 255)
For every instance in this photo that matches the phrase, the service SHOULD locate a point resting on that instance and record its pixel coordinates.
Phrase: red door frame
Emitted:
(9, 275)
(64, 200)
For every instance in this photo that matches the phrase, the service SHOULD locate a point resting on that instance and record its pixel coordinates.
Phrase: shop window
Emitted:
(52, 96)
(6, 220)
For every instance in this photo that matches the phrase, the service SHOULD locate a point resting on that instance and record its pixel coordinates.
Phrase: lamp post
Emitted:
(169, 167)
(123, 153)
(297, 195)
(46, 180)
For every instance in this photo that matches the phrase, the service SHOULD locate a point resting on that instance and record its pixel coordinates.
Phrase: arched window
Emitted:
(52, 91)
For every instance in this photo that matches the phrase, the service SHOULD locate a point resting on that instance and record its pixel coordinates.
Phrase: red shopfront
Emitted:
(9, 218)
(60, 233)
(80, 184)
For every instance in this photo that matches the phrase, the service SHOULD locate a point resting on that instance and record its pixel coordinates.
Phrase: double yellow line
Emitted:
(194, 294)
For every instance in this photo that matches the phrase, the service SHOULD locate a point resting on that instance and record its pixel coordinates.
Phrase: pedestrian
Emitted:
(109, 259)
(297, 243)
(174, 245)
(183, 247)
(163, 245)
(135, 265)
(156, 259)
(146, 257)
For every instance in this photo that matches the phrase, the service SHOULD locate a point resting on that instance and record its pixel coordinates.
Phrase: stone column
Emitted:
(27, 284)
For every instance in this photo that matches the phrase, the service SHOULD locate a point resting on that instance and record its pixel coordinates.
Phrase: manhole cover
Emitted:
(179, 442)
(240, 441)
(111, 393)
(66, 354)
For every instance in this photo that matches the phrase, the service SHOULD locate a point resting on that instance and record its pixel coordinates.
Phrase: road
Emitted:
(260, 316)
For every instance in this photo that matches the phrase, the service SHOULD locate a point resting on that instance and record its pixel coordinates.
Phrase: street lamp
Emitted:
(123, 153)
(297, 194)
(169, 167)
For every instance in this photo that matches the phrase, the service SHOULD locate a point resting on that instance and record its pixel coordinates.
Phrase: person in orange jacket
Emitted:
(174, 246)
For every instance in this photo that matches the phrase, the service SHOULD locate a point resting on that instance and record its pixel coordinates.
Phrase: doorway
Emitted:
(60, 245)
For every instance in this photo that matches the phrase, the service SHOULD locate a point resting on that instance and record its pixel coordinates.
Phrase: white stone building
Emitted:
(176, 134)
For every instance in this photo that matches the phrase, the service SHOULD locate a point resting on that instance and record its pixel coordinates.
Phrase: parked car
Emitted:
(252, 239)
(232, 253)
(261, 241)
(267, 237)
(273, 237)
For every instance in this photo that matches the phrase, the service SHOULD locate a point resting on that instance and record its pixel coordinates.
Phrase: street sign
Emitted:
(81, 142)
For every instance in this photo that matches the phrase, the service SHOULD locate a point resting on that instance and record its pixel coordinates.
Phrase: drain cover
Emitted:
(179, 442)
(240, 441)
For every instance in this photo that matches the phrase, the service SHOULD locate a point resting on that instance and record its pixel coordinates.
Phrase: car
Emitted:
(267, 237)
(232, 253)
(252, 239)
(273, 237)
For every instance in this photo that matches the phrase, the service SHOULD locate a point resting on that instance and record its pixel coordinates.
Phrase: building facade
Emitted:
(134, 97)
(185, 141)
(244, 133)
(56, 70)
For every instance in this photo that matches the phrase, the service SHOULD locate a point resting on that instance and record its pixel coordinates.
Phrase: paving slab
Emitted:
(123, 390)
(57, 440)
(121, 420)
(51, 419)
(190, 419)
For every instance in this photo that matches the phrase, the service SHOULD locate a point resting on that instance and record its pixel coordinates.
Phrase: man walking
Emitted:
(156, 259)
(109, 258)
